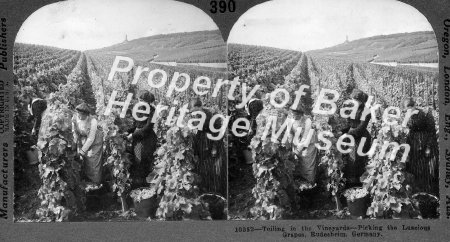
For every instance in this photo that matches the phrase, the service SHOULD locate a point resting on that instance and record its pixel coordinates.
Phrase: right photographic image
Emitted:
(341, 109)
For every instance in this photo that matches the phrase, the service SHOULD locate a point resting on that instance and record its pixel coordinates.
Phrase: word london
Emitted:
(390, 115)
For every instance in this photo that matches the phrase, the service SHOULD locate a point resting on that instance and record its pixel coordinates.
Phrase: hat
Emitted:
(300, 109)
(409, 102)
(196, 102)
(146, 96)
(360, 96)
(84, 108)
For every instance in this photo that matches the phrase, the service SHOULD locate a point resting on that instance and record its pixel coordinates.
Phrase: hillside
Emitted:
(403, 47)
(200, 46)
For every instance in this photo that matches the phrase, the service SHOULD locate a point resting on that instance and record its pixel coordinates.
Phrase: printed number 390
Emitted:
(222, 6)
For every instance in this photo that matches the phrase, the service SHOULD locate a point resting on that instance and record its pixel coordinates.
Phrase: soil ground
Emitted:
(106, 208)
(317, 204)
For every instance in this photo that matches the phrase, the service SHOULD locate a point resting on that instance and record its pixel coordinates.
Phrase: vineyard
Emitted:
(190, 47)
(55, 190)
(264, 66)
(263, 190)
(415, 47)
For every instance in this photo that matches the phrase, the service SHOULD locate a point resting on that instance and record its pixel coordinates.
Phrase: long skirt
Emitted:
(143, 158)
(307, 162)
(355, 164)
(211, 164)
(423, 162)
(93, 159)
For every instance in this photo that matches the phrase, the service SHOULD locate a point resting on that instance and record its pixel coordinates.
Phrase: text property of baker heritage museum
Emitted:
(323, 106)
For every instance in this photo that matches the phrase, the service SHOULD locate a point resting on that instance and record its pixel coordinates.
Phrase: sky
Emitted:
(315, 24)
(92, 24)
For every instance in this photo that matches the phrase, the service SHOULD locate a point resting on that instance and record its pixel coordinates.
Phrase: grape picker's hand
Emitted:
(82, 153)
(33, 132)
(305, 152)
(129, 137)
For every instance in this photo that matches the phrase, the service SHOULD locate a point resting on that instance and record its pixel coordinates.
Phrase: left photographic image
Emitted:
(119, 113)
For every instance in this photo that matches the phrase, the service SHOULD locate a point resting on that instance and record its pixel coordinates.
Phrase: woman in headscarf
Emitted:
(211, 155)
(423, 160)
(144, 142)
(357, 128)
(89, 139)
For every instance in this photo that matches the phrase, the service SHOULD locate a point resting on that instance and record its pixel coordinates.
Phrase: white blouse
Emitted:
(306, 124)
(246, 106)
(85, 128)
(31, 104)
